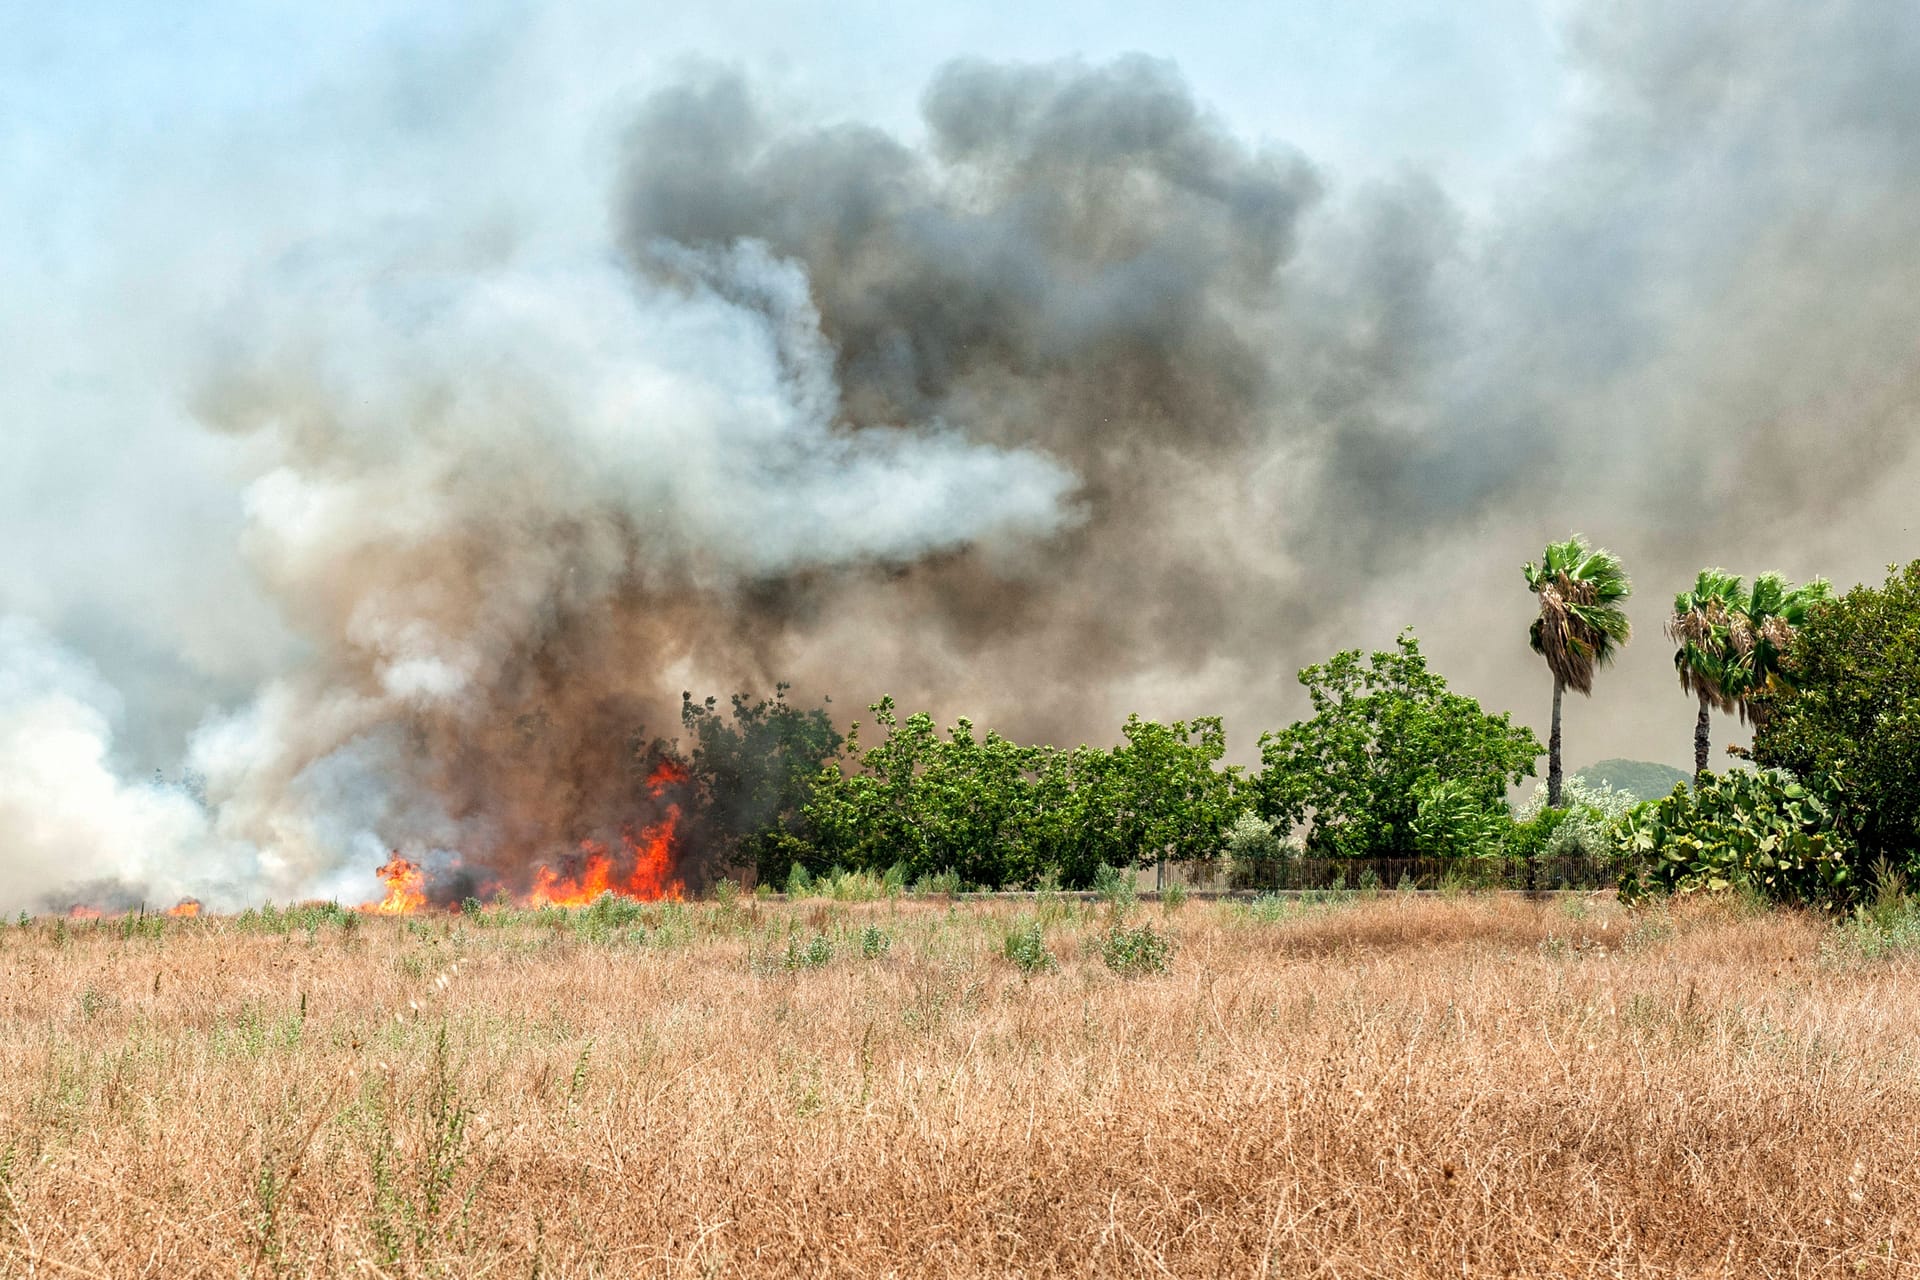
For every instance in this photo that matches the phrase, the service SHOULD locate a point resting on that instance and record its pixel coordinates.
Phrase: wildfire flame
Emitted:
(80, 911)
(641, 867)
(406, 888)
(664, 775)
(185, 908)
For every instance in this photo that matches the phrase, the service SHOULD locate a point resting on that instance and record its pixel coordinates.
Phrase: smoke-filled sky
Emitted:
(402, 404)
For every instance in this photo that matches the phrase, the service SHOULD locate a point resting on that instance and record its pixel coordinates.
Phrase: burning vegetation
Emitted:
(406, 888)
(641, 863)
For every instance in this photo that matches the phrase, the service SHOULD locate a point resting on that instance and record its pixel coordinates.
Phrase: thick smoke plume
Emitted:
(1081, 402)
(507, 506)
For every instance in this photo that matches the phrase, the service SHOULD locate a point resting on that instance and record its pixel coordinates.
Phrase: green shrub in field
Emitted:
(599, 919)
(851, 886)
(1453, 819)
(1116, 888)
(1886, 925)
(875, 942)
(1251, 839)
(1758, 830)
(1135, 952)
(1025, 947)
(1267, 908)
(1582, 828)
(814, 953)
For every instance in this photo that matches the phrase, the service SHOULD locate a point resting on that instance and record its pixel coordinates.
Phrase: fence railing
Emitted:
(1421, 873)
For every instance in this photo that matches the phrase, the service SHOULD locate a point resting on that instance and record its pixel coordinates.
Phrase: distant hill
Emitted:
(1643, 778)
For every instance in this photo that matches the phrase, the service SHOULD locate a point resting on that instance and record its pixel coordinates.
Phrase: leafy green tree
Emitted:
(995, 812)
(1701, 625)
(1385, 729)
(1846, 713)
(750, 776)
(1163, 793)
(1580, 627)
(963, 804)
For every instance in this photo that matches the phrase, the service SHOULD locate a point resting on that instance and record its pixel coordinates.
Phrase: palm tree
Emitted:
(1580, 628)
(1730, 642)
(1764, 622)
(1702, 625)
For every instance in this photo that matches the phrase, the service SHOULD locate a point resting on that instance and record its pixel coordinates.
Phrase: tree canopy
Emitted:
(1385, 732)
(1847, 713)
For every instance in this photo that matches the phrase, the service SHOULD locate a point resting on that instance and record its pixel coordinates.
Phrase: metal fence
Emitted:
(1421, 873)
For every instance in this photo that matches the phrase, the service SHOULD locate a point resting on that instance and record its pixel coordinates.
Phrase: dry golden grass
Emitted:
(1394, 1087)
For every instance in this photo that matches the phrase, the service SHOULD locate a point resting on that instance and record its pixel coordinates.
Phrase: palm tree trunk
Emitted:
(1702, 734)
(1553, 747)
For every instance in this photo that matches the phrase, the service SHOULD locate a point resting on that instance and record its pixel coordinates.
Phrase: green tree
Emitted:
(1580, 627)
(1701, 625)
(1766, 619)
(995, 812)
(750, 776)
(1164, 794)
(966, 803)
(1385, 730)
(1846, 713)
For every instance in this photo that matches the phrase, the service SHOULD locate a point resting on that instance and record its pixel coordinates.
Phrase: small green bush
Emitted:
(1453, 819)
(1136, 952)
(937, 884)
(875, 942)
(814, 953)
(1115, 887)
(1025, 946)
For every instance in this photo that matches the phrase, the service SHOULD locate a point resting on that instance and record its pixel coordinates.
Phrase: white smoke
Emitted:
(68, 824)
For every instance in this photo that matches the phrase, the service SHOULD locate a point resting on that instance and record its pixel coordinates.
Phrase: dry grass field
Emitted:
(1380, 1087)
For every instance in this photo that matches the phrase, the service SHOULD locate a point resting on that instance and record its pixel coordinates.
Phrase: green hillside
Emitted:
(1645, 779)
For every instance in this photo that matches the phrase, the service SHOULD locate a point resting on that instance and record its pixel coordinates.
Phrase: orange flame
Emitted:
(647, 858)
(664, 775)
(185, 908)
(406, 888)
(80, 911)
(648, 861)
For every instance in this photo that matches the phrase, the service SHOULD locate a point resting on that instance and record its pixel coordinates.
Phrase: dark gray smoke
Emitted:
(1082, 261)
(1300, 421)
